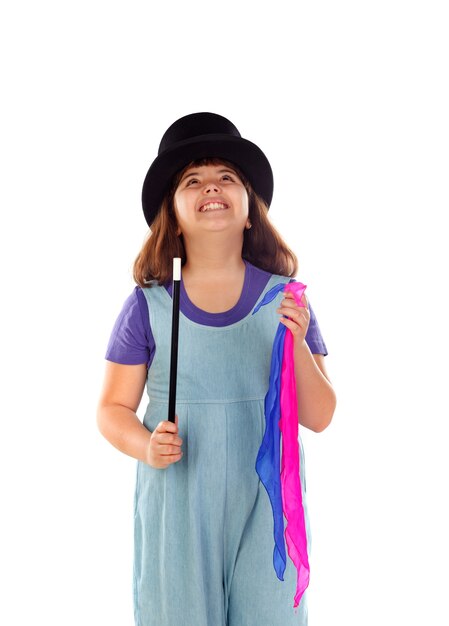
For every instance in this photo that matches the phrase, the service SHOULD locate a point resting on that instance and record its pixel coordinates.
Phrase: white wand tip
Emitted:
(177, 268)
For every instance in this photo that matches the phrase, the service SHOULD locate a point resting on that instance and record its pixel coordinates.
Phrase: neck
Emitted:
(213, 259)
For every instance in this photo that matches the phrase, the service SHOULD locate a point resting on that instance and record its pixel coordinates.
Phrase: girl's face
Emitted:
(211, 198)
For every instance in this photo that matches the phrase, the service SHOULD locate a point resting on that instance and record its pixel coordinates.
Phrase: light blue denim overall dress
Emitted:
(203, 526)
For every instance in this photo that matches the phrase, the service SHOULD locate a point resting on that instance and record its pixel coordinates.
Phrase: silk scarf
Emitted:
(281, 476)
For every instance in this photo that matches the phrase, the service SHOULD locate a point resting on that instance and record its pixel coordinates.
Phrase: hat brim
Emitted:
(245, 154)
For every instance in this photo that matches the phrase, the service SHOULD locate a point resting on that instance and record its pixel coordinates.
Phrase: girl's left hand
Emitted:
(298, 316)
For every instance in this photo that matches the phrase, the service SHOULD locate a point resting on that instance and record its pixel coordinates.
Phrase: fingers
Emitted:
(289, 300)
(292, 325)
(293, 311)
(167, 436)
(289, 308)
(167, 426)
(165, 445)
(167, 439)
(295, 316)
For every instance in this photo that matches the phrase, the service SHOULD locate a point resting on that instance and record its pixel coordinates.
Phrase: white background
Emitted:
(349, 102)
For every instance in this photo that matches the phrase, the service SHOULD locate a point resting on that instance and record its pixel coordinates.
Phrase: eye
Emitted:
(195, 180)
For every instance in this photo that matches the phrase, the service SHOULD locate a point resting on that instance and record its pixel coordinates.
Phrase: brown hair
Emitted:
(263, 246)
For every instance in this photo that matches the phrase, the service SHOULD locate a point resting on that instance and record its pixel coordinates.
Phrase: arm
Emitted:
(116, 413)
(316, 396)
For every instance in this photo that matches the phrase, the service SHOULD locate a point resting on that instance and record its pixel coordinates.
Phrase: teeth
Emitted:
(213, 206)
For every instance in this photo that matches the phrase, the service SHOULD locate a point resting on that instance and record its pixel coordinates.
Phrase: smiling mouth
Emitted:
(213, 206)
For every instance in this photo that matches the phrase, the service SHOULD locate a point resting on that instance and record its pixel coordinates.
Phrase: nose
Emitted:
(211, 186)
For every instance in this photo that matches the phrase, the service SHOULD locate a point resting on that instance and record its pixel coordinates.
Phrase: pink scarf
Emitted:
(295, 532)
(283, 484)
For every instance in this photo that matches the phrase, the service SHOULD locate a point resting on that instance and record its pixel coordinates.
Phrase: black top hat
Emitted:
(203, 135)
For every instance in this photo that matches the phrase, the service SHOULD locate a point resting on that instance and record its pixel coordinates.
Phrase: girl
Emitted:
(203, 526)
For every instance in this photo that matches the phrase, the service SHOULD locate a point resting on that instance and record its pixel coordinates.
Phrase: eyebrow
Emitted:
(197, 173)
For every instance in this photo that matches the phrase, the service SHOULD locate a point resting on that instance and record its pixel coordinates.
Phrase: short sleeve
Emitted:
(131, 341)
(313, 337)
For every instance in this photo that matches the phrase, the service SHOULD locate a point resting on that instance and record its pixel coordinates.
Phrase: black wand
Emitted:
(174, 339)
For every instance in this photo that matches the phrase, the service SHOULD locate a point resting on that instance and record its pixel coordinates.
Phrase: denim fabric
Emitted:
(203, 527)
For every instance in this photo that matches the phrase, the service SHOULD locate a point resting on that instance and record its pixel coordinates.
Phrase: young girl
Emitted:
(203, 525)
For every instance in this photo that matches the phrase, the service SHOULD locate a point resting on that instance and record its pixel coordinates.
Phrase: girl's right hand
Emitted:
(165, 445)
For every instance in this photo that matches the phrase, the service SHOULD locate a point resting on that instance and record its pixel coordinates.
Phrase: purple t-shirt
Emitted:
(132, 341)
